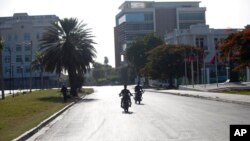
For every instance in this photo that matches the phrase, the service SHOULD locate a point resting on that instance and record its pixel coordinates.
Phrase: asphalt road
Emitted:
(160, 117)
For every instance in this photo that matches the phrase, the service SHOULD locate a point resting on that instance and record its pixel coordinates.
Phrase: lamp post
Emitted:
(30, 66)
(12, 77)
(10, 69)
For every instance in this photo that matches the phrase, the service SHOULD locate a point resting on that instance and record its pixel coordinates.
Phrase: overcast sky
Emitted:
(100, 16)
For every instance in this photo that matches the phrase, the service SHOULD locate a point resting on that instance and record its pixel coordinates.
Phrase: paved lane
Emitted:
(161, 117)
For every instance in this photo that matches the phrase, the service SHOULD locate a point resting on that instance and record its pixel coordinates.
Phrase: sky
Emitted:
(99, 15)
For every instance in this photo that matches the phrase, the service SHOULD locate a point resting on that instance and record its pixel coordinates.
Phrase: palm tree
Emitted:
(1, 67)
(68, 46)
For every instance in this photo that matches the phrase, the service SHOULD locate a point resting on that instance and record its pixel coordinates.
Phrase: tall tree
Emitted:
(166, 62)
(236, 49)
(1, 67)
(68, 45)
(136, 54)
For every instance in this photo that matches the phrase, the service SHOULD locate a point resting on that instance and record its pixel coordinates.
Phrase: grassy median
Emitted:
(241, 92)
(24, 112)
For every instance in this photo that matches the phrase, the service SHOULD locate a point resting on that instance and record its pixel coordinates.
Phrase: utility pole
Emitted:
(30, 66)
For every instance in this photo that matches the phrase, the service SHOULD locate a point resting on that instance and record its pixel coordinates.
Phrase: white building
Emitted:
(21, 35)
(201, 35)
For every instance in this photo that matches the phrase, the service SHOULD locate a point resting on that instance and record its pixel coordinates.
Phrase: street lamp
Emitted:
(22, 80)
(10, 69)
(12, 82)
(30, 66)
(12, 77)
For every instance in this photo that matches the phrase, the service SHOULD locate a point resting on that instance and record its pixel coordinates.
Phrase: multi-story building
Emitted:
(207, 38)
(21, 35)
(138, 18)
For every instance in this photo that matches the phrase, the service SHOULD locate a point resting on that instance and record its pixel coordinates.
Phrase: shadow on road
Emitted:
(141, 104)
(129, 112)
(88, 100)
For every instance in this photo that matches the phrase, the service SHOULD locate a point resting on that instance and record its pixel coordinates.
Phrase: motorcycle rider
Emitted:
(138, 90)
(125, 93)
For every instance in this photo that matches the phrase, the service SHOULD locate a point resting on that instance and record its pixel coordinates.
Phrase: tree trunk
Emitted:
(233, 75)
(73, 83)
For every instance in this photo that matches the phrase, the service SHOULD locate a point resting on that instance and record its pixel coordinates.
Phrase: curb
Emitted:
(206, 98)
(34, 130)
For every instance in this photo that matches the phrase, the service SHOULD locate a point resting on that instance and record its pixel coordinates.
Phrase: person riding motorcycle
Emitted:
(125, 94)
(138, 91)
(138, 88)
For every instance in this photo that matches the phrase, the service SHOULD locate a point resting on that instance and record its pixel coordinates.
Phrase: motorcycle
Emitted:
(126, 103)
(138, 97)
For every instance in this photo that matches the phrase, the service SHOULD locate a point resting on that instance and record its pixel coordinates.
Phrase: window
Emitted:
(132, 37)
(18, 48)
(27, 58)
(185, 25)
(7, 70)
(27, 47)
(19, 58)
(121, 19)
(191, 16)
(146, 26)
(7, 59)
(215, 43)
(27, 37)
(27, 69)
(16, 37)
(7, 48)
(136, 17)
(19, 69)
(200, 42)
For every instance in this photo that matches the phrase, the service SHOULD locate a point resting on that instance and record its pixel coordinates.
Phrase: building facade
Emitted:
(202, 36)
(21, 34)
(138, 18)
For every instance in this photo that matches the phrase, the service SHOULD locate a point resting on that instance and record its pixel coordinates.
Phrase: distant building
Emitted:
(21, 34)
(207, 38)
(138, 18)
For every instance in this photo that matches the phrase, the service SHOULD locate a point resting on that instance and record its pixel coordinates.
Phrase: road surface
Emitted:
(160, 117)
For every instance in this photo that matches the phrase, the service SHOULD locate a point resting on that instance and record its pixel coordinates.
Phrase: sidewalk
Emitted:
(210, 92)
(216, 88)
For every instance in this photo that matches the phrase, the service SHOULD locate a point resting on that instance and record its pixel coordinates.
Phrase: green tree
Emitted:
(106, 60)
(136, 53)
(1, 67)
(68, 45)
(104, 74)
(98, 71)
(166, 62)
(235, 49)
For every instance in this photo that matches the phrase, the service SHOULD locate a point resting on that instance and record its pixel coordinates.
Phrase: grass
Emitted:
(242, 92)
(24, 112)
